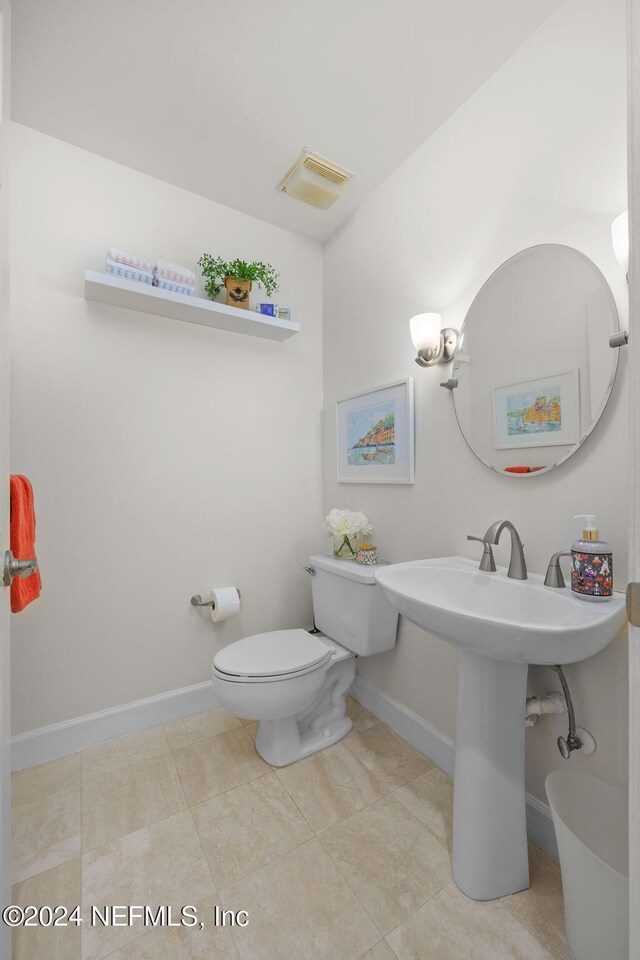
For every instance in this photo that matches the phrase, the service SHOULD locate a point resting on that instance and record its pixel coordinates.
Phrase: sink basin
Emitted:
(489, 614)
(498, 626)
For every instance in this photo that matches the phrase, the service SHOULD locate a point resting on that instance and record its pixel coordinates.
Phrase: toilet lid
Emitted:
(277, 653)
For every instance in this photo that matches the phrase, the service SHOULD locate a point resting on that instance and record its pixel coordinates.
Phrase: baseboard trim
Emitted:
(61, 739)
(540, 826)
(440, 748)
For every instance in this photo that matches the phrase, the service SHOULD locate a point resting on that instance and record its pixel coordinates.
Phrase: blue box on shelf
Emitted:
(268, 309)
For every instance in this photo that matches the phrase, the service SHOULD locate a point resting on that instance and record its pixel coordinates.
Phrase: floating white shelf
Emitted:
(107, 288)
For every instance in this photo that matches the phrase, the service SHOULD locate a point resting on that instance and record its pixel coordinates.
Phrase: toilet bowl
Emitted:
(295, 682)
(300, 700)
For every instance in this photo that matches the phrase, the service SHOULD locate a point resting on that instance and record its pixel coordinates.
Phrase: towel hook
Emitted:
(12, 567)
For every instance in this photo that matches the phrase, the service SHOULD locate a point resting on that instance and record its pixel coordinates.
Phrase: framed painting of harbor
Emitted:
(537, 413)
(375, 435)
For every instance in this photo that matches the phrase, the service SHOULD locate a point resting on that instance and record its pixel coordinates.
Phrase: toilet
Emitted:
(296, 682)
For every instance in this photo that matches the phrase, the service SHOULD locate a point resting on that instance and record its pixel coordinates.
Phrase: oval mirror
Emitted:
(534, 365)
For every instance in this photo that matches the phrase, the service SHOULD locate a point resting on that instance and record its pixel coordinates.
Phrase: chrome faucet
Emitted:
(554, 576)
(487, 563)
(517, 564)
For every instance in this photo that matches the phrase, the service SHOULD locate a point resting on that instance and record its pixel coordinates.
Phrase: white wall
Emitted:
(165, 457)
(537, 155)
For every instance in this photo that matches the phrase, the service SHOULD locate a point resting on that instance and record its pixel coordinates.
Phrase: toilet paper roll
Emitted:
(227, 603)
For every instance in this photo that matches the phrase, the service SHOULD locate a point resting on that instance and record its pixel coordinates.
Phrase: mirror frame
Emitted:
(616, 329)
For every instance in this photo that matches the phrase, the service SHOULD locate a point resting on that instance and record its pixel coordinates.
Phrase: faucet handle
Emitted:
(554, 577)
(488, 563)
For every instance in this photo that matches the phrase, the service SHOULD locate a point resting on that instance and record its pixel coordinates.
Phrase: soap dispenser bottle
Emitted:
(591, 563)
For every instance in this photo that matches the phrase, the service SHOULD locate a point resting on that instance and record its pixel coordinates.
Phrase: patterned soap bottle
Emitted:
(591, 564)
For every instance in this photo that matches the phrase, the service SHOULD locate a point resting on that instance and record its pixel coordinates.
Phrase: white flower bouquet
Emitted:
(345, 526)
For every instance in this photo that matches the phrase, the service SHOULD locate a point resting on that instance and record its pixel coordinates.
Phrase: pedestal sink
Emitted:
(499, 626)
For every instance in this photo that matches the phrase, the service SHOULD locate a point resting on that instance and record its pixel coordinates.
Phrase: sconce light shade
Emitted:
(425, 331)
(620, 239)
(433, 344)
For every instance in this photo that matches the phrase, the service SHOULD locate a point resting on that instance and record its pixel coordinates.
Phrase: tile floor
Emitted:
(342, 856)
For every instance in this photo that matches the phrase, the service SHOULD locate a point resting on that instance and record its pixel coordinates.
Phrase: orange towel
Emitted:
(23, 542)
(522, 469)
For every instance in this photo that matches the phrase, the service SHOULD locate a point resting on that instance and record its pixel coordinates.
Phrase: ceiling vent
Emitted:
(314, 180)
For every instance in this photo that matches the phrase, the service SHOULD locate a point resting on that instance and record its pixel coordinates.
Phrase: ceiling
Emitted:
(219, 96)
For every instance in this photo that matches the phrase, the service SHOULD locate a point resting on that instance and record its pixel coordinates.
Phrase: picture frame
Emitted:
(541, 412)
(375, 435)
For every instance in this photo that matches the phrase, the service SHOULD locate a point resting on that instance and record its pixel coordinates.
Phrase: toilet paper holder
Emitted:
(197, 601)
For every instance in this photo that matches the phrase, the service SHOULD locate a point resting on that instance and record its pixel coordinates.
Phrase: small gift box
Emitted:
(268, 309)
(367, 553)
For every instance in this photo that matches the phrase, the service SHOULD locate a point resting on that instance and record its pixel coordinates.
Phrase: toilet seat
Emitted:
(272, 656)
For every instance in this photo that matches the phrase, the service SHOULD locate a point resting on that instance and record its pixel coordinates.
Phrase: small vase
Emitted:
(342, 549)
(237, 292)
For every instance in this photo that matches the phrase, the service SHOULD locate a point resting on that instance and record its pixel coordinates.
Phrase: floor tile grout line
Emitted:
(82, 935)
(204, 854)
(377, 944)
(545, 946)
(452, 883)
(531, 934)
(358, 900)
(293, 801)
(387, 944)
(334, 866)
(45, 796)
(208, 736)
(422, 823)
(412, 815)
(141, 761)
(213, 736)
(315, 834)
(78, 853)
(145, 826)
(366, 804)
(188, 806)
(112, 953)
(448, 883)
(144, 931)
(15, 804)
(81, 819)
(280, 856)
(422, 756)
(244, 783)
(213, 796)
(123, 766)
(148, 823)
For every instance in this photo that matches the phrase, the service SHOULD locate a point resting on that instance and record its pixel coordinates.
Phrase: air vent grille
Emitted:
(326, 169)
(314, 180)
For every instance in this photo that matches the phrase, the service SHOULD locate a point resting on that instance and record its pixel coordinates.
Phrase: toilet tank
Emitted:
(349, 606)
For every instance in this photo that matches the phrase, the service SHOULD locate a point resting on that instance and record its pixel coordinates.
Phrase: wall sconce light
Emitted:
(620, 240)
(433, 343)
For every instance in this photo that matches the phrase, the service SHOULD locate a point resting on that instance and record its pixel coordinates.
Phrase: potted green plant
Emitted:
(237, 276)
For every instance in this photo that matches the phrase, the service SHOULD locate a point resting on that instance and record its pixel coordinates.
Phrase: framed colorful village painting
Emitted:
(375, 435)
(537, 413)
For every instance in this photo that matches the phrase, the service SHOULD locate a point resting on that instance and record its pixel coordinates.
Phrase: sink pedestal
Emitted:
(489, 826)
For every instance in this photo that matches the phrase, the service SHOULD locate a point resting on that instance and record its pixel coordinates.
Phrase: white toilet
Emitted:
(296, 683)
